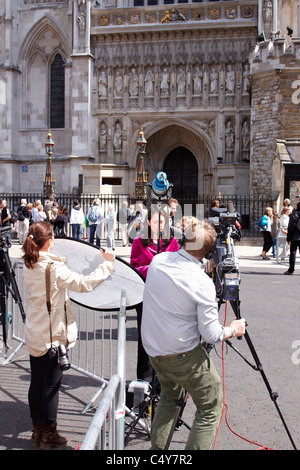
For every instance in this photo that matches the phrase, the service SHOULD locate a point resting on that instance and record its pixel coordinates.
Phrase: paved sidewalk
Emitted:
(272, 315)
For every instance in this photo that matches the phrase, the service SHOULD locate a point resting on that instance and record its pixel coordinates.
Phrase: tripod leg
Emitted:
(181, 402)
(274, 395)
(137, 419)
(3, 307)
(11, 280)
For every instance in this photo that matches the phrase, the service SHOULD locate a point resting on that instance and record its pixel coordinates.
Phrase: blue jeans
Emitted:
(92, 235)
(195, 372)
(76, 231)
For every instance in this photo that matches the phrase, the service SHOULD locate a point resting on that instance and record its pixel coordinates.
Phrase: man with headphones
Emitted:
(180, 309)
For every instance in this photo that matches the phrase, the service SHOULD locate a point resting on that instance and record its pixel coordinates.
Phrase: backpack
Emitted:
(20, 215)
(92, 214)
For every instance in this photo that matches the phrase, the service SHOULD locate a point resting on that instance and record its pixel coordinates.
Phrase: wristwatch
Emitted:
(233, 332)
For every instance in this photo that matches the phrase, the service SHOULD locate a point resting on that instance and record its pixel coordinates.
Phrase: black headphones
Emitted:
(210, 254)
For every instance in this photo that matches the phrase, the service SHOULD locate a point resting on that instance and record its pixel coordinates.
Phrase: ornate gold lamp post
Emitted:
(49, 177)
(142, 175)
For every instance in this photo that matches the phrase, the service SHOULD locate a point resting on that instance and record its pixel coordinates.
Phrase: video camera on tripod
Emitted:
(227, 278)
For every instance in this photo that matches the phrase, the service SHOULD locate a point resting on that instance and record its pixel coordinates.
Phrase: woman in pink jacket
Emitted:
(144, 248)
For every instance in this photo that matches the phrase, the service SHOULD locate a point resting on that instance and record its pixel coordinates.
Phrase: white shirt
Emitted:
(40, 216)
(284, 223)
(77, 216)
(179, 305)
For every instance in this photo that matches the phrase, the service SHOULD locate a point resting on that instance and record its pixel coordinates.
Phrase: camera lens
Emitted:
(64, 362)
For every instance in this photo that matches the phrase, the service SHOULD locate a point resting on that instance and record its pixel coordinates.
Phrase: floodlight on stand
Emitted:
(141, 177)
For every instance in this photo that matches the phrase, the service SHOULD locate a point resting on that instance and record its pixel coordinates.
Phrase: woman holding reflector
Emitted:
(50, 325)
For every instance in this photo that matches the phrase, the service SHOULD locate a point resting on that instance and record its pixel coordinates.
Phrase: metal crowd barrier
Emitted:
(282, 249)
(106, 431)
(96, 351)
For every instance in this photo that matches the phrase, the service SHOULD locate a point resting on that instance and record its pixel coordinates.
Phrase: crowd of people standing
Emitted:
(89, 226)
(281, 231)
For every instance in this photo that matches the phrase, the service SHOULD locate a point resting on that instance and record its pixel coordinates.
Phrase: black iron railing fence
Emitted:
(250, 208)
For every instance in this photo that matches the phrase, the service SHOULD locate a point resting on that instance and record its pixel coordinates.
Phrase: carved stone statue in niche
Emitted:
(164, 82)
(102, 85)
(118, 137)
(197, 80)
(229, 136)
(102, 136)
(230, 80)
(214, 82)
(149, 81)
(133, 83)
(118, 85)
(181, 82)
(267, 15)
(246, 81)
(81, 18)
(245, 135)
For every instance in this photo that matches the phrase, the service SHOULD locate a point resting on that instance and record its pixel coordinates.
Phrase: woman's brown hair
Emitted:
(147, 235)
(39, 233)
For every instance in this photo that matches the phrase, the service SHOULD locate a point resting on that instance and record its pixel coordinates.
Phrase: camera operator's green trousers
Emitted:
(195, 372)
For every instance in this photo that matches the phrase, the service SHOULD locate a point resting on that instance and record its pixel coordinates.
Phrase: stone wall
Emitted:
(275, 70)
(265, 129)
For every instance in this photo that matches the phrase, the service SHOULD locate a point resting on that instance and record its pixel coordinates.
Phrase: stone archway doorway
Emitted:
(181, 168)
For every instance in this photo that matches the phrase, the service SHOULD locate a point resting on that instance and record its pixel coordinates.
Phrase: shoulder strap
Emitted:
(48, 301)
(48, 295)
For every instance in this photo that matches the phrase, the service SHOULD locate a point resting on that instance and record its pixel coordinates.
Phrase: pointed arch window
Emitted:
(57, 93)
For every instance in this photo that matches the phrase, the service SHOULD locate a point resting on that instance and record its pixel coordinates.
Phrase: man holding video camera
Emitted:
(180, 309)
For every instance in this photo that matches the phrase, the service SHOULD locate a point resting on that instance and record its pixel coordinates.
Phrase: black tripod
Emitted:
(257, 366)
(7, 282)
(236, 304)
(178, 421)
(146, 410)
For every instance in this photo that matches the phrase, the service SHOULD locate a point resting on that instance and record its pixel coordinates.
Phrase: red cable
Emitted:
(261, 447)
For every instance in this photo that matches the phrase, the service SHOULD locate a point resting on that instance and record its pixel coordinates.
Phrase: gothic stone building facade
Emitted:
(219, 110)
